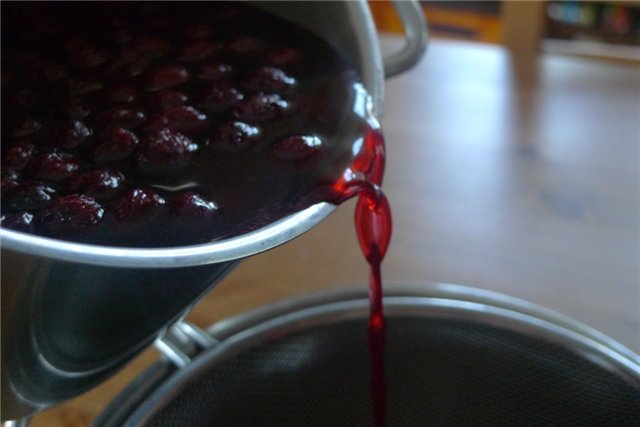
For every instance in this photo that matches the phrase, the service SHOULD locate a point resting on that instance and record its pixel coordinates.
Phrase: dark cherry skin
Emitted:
(53, 166)
(182, 119)
(17, 156)
(21, 221)
(70, 214)
(285, 57)
(113, 144)
(70, 135)
(122, 117)
(137, 205)
(121, 93)
(98, 183)
(191, 205)
(166, 99)
(267, 80)
(167, 76)
(9, 182)
(219, 96)
(198, 51)
(215, 71)
(298, 147)
(25, 127)
(233, 137)
(261, 108)
(163, 151)
(31, 196)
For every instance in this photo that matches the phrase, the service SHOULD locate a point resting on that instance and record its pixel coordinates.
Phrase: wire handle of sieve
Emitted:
(182, 342)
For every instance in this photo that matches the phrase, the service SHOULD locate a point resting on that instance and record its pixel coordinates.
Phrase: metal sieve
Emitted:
(455, 356)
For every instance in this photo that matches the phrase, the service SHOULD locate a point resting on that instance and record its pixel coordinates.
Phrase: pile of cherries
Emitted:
(108, 107)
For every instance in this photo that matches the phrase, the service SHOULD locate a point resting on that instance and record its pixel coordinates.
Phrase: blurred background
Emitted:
(606, 29)
(513, 166)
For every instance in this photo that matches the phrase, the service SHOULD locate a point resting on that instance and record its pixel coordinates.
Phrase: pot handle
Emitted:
(416, 38)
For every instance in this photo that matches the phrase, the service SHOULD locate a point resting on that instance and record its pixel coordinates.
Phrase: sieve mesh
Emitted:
(440, 372)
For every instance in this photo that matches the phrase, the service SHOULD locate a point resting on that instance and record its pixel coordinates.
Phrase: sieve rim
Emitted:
(443, 301)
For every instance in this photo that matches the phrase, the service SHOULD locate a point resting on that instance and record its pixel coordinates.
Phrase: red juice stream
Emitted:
(373, 226)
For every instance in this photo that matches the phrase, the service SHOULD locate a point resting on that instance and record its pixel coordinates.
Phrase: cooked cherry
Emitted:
(70, 135)
(164, 151)
(119, 117)
(198, 51)
(81, 86)
(22, 98)
(284, 56)
(198, 31)
(138, 205)
(21, 221)
(150, 47)
(220, 96)
(121, 93)
(213, 72)
(9, 182)
(191, 205)
(127, 67)
(114, 144)
(74, 108)
(267, 80)
(233, 137)
(248, 45)
(42, 71)
(90, 57)
(69, 214)
(98, 183)
(31, 196)
(25, 127)
(260, 108)
(298, 147)
(167, 99)
(183, 119)
(167, 76)
(54, 166)
(17, 157)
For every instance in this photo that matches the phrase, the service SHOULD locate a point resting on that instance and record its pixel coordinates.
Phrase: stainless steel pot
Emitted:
(455, 356)
(73, 313)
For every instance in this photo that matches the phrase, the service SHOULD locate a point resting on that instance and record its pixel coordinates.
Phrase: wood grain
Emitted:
(517, 177)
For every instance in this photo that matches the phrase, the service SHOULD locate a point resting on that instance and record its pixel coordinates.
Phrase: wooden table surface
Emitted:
(520, 177)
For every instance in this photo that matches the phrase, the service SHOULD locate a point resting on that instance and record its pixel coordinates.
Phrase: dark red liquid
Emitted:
(373, 226)
(218, 117)
(373, 223)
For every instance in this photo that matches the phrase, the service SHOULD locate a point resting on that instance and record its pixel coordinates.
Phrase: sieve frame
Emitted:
(161, 383)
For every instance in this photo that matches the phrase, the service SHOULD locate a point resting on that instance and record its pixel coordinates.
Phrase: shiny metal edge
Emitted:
(242, 246)
(226, 327)
(416, 34)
